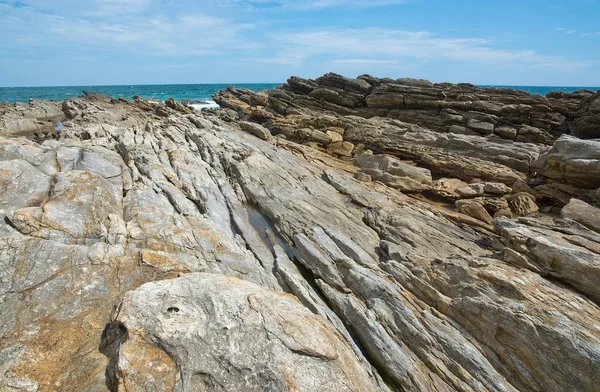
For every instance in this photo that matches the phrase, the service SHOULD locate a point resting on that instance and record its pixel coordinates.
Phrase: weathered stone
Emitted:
(522, 203)
(449, 187)
(583, 213)
(335, 137)
(343, 149)
(496, 188)
(473, 209)
(586, 124)
(175, 105)
(573, 161)
(362, 177)
(481, 127)
(395, 173)
(255, 129)
(219, 333)
(549, 250)
(506, 132)
(506, 212)
(388, 286)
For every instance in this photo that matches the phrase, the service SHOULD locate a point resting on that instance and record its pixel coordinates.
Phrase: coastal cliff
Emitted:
(333, 234)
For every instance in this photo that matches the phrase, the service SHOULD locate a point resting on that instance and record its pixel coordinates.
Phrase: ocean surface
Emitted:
(196, 92)
(160, 92)
(543, 90)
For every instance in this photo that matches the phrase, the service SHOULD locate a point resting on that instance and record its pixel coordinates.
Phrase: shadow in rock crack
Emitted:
(113, 336)
(270, 236)
(263, 227)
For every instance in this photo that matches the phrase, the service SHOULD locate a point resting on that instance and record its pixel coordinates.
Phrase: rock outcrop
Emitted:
(146, 246)
(586, 123)
(444, 107)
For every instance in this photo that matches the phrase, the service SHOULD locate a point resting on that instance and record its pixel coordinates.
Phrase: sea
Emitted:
(202, 93)
(194, 92)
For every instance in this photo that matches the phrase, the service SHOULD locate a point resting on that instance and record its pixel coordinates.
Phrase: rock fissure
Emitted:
(412, 226)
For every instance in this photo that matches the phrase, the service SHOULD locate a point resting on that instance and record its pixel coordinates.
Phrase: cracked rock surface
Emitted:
(154, 247)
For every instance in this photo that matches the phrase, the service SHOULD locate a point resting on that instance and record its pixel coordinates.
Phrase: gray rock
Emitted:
(220, 333)
(255, 129)
(388, 285)
(583, 213)
(549, 252)
(573, 161)
(395, 173)
(449, 187)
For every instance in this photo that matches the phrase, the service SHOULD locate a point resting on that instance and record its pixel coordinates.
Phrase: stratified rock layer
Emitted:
(151, 247)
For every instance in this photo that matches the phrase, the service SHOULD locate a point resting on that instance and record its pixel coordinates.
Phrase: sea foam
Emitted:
(207, 104)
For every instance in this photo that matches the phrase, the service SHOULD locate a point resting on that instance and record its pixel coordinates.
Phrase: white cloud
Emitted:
(124, 27)
(308, 4)
(565, 30)
(363, 62)
(385, 45)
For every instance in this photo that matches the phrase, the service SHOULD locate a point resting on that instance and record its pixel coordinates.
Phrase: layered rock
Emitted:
(569, 169)
(586, 124)
(153, 247)
(444, 107)
(395, 173)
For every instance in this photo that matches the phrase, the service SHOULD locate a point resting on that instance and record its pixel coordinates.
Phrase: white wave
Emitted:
(208, 105)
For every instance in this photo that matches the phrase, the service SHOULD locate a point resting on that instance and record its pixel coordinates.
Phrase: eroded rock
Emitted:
(149, 247)
(212, 332)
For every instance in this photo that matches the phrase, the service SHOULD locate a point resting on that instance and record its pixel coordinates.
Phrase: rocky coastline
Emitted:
(333, 234)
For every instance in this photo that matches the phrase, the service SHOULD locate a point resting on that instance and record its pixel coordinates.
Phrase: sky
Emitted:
(496, 42)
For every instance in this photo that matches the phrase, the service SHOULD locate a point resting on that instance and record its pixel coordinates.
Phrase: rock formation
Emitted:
(333, 235)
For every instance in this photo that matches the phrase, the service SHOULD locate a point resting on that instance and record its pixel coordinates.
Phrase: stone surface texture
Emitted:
(329, 235)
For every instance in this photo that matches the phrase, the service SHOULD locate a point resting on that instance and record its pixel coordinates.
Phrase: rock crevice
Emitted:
(333, 234)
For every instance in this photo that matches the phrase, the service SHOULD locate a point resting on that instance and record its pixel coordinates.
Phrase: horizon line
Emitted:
(279, 83)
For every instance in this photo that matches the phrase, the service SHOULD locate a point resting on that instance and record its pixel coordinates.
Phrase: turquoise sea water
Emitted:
(201, 92)
(543, 90)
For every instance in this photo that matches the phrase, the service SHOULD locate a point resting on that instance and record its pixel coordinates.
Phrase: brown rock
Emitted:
(255, 129)
(522, 203)
(503, 212)
(473, 209)
(362, 177)
(343, 149)
(448, 187)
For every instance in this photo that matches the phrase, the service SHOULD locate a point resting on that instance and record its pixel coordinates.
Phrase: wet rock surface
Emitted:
(328, 235)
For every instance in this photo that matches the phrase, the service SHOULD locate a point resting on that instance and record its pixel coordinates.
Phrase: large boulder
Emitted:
(208, 332)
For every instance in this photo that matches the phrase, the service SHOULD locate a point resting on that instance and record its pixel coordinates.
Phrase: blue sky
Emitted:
(509, 42)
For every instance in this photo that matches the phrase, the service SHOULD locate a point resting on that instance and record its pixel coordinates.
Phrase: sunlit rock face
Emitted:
(331, 235)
